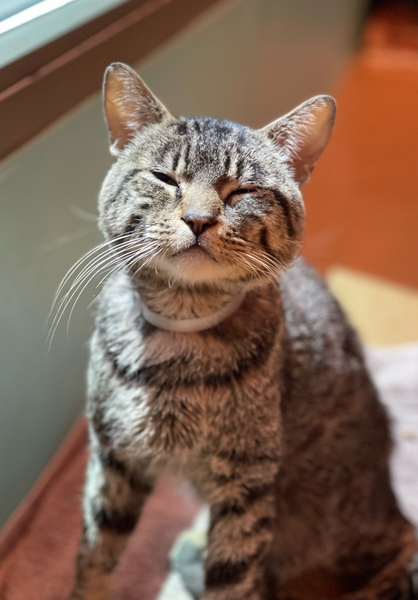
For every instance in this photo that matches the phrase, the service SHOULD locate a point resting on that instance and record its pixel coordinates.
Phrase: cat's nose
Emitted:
(199, 223)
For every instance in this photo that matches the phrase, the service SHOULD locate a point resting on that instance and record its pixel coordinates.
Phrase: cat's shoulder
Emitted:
(310, 309)
(301, 282)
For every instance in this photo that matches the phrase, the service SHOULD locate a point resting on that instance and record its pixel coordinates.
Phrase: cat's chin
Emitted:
(196, 265)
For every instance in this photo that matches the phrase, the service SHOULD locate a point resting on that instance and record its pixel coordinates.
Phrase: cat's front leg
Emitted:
(113, 499)
(240, 534)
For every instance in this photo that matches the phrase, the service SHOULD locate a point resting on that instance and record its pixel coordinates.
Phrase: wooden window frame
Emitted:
(41, 87)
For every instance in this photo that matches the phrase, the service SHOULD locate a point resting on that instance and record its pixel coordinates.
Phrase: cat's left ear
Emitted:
(129, 105)
(303, 134)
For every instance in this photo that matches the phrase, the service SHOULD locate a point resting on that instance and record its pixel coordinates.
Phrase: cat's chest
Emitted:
(157, 393)
(144, 393)
(174, 397)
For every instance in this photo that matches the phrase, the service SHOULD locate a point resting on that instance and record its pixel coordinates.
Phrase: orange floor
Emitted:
(362, 200)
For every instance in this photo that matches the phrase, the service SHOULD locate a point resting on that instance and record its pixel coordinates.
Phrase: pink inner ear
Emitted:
(310, 147)
(310, 133)
(303, 134)
(119, 133)
(129, 104)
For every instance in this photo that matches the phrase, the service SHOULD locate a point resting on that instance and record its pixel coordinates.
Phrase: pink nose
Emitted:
(199, 223)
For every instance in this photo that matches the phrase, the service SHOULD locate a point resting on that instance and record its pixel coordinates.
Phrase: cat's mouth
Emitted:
(195, 262)
(196, 250)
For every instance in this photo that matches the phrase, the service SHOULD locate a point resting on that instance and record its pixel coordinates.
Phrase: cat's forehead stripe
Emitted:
(239, 168)
(200, 146)
(176, 159)
(227, 163)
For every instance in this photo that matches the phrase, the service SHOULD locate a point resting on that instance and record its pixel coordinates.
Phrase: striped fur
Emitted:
(270, 414)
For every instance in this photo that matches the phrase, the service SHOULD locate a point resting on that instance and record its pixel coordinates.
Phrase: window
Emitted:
(53, 53)
(11, 7)
(26, 25)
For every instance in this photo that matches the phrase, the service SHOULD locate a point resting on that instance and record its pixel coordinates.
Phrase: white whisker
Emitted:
(118, 266)
(91, 266)
(113, 259)
(78, 263)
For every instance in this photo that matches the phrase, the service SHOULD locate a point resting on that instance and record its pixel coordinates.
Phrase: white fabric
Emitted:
(395, 373)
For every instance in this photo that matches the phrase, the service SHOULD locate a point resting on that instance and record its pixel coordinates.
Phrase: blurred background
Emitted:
(249, 61)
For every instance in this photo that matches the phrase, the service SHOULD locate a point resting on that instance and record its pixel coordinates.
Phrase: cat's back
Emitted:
(318, 336)
(330, 407)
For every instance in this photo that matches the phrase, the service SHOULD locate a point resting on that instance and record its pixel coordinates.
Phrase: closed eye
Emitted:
(242, 191)
(234, 196)
(165, 178)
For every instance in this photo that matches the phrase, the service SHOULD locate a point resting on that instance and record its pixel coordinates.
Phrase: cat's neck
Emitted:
(174, 300)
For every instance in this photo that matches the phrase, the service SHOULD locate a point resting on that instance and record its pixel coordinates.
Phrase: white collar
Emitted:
(191, 325)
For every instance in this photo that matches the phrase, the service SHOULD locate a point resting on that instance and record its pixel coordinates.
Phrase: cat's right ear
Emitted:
(129, 105)
(302, 134)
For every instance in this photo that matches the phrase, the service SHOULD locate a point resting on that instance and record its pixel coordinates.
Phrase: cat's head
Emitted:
(197, 199)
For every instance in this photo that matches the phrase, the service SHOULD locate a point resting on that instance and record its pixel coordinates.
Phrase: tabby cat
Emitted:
(221, 357)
